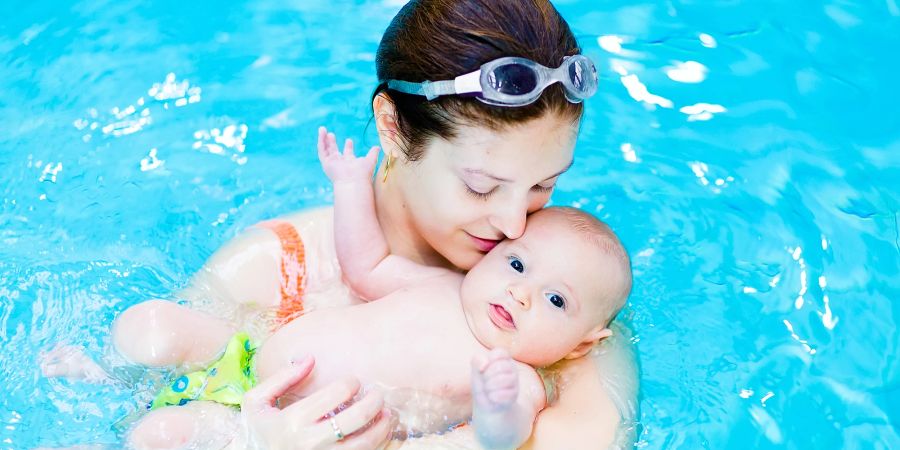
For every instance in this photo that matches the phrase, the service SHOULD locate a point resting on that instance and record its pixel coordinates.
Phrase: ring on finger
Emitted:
(337, 430)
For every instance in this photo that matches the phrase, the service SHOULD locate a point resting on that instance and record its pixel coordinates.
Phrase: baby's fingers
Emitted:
(501, 382)
(479, 363)
(372, 156)
(332, 144)
(322, 143)
(327, 145)
(348, 149)
(499, 354)
(502, 397)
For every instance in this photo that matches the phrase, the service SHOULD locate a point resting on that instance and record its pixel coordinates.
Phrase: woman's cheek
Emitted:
(537, 201)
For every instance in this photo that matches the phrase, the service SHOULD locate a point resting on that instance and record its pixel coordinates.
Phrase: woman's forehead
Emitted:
(542, 149)
(547, 130)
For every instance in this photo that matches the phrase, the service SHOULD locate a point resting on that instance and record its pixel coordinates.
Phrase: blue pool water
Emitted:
(747, 152)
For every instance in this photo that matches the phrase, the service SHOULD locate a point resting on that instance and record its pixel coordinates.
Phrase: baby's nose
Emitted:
(520, 295)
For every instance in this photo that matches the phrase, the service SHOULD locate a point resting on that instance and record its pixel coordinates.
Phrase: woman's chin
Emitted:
(465, 259)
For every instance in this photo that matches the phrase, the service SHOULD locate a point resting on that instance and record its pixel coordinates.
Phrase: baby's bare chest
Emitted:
(416, 338)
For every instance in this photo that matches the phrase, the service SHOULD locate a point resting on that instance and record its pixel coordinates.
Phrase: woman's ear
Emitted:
(590, 339)
(386, 123)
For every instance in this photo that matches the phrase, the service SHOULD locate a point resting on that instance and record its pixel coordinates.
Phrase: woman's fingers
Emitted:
(372, 437)
(360, 413)
(263, 396)
(325, 400)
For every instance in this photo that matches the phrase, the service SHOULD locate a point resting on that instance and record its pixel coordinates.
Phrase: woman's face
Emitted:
(464, 196)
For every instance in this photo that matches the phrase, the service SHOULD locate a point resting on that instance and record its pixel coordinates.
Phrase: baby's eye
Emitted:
(516, 264)
(557, 300)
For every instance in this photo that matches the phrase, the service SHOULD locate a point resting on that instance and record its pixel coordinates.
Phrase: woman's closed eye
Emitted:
(484, 194)
(480, 194)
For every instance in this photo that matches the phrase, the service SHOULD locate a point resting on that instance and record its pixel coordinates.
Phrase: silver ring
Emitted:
(337, 430)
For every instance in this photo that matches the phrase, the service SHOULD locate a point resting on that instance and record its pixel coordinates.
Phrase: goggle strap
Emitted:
(430, 89)
(468, 83)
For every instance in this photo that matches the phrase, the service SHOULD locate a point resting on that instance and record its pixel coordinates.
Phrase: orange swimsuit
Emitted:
(293, 269)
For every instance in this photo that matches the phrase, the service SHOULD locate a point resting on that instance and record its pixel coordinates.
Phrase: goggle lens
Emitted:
(513, 79)
(576, 76)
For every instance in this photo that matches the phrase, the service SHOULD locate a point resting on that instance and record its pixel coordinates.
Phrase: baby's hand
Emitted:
(495, 380)
(344, 167)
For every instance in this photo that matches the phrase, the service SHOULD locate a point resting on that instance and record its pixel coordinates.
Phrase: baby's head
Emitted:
(550, 294)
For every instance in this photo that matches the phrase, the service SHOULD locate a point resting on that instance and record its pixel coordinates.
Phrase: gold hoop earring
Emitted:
(387, 166)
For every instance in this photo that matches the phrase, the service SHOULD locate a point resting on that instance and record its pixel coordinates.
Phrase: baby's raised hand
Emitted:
(495, 380)
(344, 167)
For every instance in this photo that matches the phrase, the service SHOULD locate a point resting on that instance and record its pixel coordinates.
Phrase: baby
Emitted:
(444, 347)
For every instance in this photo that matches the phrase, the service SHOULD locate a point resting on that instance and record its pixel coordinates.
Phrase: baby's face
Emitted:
(541, 295)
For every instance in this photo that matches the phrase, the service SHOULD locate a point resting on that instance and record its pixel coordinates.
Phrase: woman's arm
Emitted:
(583, 417)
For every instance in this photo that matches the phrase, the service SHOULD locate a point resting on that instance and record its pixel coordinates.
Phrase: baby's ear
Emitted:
(590, 339)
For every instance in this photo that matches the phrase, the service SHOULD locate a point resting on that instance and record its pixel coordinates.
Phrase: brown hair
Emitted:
(442, 39)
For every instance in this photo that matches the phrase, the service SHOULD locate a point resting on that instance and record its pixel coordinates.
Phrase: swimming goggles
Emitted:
(512, 81)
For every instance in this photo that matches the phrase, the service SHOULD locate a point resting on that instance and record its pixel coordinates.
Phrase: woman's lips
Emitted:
(501, 317)
(484, 245)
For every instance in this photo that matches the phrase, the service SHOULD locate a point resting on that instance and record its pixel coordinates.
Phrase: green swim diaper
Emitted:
(225, 381)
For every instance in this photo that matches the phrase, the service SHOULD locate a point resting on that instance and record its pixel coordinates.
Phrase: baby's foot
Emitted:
(70, 361)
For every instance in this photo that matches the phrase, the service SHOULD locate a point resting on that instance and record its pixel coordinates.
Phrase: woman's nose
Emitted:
(520, 295)
(509, 218)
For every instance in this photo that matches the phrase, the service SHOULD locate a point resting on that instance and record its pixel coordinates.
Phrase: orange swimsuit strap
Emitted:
(293, 269)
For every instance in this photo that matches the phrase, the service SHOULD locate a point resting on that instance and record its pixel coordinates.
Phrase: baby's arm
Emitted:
(363, 253)
(506, 397)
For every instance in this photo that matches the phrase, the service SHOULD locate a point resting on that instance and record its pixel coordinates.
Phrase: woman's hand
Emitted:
(344, 167)
(307, 424)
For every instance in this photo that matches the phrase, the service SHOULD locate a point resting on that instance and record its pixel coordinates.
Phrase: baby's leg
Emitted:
(197, 424)
(155, 333)
(160, 333)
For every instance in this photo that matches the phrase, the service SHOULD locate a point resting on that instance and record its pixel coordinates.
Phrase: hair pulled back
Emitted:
(442, 39)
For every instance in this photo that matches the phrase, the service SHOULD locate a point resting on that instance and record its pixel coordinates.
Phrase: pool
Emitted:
(747, 152)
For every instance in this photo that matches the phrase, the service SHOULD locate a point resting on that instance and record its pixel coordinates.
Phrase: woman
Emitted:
(459, 173)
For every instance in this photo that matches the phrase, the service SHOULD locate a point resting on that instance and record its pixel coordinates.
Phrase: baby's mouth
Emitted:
(501, 317)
